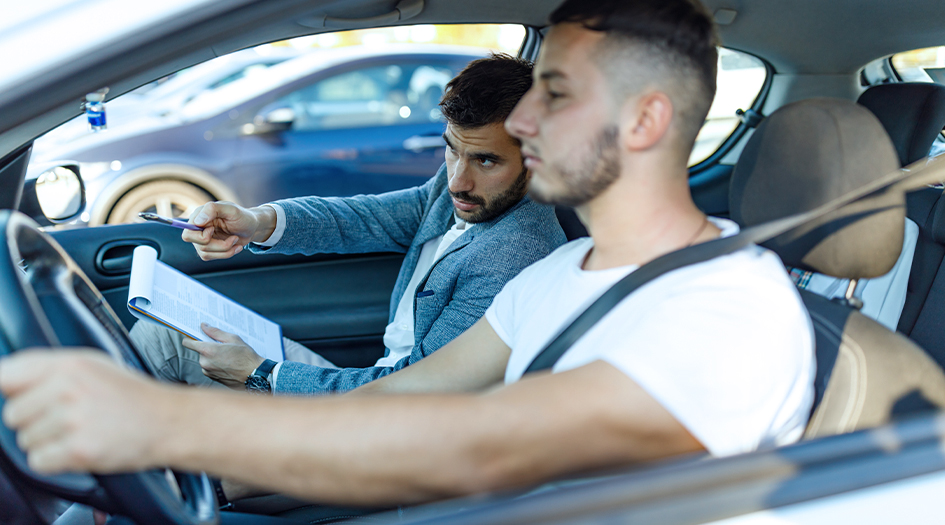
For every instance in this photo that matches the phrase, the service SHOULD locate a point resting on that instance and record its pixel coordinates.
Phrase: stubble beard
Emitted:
(591, 175)
(498, 205)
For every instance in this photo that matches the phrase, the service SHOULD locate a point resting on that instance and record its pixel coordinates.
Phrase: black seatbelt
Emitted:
(553, 351)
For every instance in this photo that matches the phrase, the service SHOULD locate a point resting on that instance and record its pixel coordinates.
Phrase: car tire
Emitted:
(169, 198)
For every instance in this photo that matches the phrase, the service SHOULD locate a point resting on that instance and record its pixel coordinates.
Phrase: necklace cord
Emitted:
(705, 222)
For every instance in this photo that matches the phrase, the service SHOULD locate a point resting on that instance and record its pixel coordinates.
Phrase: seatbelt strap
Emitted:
(906, 179)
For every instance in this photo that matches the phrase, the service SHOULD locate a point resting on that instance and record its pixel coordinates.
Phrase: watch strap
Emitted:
(222, 500)
(264, 369)
(258, 381)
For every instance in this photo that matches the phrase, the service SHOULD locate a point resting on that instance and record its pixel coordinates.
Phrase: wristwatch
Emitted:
(258, 381)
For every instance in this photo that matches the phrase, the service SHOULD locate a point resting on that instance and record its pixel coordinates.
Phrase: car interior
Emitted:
(878, 391)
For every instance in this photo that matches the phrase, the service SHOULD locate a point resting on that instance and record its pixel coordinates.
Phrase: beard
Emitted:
(489, 210)
(591, 175)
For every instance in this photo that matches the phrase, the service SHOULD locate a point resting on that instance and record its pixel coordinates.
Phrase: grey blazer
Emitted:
(456, 291)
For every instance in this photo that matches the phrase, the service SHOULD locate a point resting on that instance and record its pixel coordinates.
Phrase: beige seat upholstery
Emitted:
(803, 156)
(877, 375)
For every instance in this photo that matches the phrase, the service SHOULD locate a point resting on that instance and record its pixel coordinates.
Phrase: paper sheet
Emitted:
(159, 293)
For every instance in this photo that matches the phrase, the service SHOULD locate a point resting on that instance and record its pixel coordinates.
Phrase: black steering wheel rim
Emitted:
(48, 301)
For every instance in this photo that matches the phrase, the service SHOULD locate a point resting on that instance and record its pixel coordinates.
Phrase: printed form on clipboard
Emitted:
(161, 294)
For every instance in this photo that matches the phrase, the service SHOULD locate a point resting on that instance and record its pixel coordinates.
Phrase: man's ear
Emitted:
(648, 120)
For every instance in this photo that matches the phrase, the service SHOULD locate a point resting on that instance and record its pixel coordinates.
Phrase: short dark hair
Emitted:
(675, 38)
(486, 91)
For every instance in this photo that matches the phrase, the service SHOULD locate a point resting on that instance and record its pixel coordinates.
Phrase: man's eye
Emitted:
(487, 163)
(552, 95)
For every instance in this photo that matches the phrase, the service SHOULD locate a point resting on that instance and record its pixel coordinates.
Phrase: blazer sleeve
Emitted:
(300, 379)
(361, 224)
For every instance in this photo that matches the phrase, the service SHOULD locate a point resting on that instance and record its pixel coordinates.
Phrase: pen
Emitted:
(177, 223)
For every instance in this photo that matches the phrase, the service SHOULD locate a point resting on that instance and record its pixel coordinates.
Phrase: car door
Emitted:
(336, 305)
(369, 126)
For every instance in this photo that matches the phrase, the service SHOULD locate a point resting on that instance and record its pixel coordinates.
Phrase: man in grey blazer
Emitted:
(466, 232)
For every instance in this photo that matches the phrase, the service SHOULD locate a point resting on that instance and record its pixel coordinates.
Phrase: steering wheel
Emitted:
(48, 301)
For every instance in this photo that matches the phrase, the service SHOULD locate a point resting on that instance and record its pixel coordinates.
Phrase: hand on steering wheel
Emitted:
(80, 411)
(49, 302)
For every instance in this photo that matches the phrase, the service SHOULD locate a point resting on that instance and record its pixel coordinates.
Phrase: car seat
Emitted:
(803, 156)
(923, 315)
(570, 223)
(912, 114)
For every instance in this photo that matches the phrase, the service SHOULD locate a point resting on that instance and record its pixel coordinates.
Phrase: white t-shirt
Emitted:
(726, 346)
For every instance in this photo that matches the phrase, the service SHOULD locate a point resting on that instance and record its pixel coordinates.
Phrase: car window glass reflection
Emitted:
(376, 96)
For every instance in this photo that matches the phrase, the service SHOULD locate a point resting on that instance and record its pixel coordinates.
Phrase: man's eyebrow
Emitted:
(479, 155)
(551, 75)
(486, 156)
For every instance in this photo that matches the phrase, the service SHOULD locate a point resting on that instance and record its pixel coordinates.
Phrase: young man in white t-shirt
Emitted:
(716, 356)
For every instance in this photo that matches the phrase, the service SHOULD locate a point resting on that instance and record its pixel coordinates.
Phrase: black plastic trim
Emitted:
(892, 68)
(11, 186)
(531, 44)
(114, 266)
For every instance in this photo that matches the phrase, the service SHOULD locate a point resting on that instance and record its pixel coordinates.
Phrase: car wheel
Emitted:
(169, 198)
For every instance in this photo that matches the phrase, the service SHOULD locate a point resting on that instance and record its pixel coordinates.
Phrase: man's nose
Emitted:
(522, 122)
(462, 179)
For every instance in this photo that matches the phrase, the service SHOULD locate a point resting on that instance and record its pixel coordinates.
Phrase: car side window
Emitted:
(374, 96)
(738, 83)
(918, 65)
(253, 69)
(921, 65)
(228, 128)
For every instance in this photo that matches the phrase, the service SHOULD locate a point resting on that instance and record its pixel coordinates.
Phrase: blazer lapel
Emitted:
(438, 220)
(457, 245)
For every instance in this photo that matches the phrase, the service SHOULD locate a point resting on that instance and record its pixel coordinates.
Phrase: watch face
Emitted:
(258, 385)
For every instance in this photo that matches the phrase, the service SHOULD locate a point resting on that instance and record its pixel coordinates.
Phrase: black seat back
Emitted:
(912, 113)
(923, 316)
(570, 223)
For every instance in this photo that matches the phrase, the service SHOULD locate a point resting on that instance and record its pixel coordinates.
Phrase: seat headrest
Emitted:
(912, 113)
(805, 155)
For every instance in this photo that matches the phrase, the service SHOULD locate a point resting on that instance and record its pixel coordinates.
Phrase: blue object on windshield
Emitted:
(95, 109)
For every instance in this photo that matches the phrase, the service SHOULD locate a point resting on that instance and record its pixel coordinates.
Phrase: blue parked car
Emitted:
(330, 122)
(165, 96)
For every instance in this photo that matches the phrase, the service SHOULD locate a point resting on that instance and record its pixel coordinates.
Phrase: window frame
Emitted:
(742, 129)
